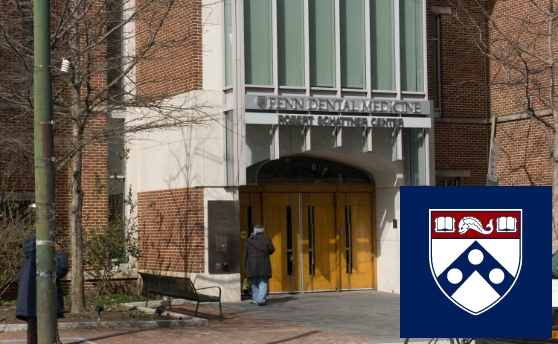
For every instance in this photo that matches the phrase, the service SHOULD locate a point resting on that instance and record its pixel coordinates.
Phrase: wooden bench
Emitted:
(181, 287)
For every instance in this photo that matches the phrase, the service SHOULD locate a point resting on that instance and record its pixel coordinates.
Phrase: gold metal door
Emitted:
(318, 233)
(356, 240)
(323, 236)
(282, 226)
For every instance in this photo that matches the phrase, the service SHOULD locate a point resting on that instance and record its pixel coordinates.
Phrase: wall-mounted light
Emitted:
(65, 66)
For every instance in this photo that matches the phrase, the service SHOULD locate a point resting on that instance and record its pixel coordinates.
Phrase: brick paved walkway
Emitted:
(359, 317)
(236, 328)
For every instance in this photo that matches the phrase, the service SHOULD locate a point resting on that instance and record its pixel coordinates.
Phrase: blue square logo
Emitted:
(476, 262)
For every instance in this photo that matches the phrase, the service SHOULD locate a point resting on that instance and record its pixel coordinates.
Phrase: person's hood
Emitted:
(29, 247)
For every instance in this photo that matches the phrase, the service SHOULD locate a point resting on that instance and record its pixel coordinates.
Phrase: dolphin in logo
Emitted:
(473, 223)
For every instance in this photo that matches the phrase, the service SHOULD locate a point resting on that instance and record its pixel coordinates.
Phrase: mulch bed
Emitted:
(113, 310)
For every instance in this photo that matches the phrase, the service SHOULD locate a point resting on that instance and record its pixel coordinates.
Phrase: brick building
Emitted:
(322, 114)
(282, 81)
(322, 111)
(474, 75)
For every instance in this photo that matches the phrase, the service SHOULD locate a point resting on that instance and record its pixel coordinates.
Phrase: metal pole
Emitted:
(44, 175)
(490, 179)
(494, 123)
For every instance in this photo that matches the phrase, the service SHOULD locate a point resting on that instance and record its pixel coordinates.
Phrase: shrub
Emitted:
(108, 246)
(16, 224)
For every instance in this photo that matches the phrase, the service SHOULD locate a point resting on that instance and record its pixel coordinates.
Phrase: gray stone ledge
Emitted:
(188, 321)
(63, 340)
(441, 173)
(180, 320)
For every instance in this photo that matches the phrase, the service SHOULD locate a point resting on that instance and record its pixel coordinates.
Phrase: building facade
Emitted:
(321, 111)
(323, 114)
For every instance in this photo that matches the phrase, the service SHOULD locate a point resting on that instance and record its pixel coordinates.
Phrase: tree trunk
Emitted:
(76, 232)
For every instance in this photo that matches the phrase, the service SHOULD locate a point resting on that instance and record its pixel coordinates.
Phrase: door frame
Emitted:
(324, 188)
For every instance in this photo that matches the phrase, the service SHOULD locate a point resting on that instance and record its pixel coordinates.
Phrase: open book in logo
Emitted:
(476, 266)
(506, 224)
(444, 224)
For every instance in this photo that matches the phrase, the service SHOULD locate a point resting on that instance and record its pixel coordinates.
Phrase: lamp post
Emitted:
(44, 175)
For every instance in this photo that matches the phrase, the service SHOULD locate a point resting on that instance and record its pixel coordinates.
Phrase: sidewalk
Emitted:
(348, 317)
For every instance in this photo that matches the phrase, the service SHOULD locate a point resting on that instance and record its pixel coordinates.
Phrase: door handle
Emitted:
(340, 232)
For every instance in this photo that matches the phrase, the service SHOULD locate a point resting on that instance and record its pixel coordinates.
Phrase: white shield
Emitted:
(475, 255)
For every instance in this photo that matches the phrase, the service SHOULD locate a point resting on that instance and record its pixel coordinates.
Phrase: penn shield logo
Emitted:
(475, 255)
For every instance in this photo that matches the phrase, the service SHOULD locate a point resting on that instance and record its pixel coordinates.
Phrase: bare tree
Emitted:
(107, 42)
(518, 38)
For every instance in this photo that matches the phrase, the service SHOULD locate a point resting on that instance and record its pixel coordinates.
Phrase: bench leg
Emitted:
(220, 311)
(196, 313)
(170, 304)
(146, 301)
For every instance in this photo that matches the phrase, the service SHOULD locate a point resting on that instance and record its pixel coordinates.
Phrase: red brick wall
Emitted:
(512, 17)
(463, 68)
(459, 146)
(463, 147)
(174, 64)
(16, 140)
(171, 224)
(524, 157)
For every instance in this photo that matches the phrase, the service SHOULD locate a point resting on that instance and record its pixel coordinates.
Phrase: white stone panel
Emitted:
(211, 12)
(387, 206)
(181, 157)
(213, 162)
(171, 166)
(388, 266)
(212, 45)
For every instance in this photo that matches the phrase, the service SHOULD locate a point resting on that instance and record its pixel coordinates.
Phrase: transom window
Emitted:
(305, 170)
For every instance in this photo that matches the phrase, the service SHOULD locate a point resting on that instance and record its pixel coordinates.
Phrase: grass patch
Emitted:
(7, 303)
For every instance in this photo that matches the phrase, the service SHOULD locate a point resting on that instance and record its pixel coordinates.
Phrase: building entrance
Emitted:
(324, 236)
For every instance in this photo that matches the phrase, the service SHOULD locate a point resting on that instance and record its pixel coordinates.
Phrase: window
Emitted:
(412, 65)
(353, 54)
(115, 51)
(229, 149)
(382, 45)
(228, 44)
(322, 43)
(437, 64)
(258, 42)
(337, 44)
(308, 170)
(290, 42)
(116, 171)
(415, 155)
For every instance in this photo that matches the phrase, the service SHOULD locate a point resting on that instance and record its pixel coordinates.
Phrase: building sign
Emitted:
(340, 121)
(336, 120)
(354, 105)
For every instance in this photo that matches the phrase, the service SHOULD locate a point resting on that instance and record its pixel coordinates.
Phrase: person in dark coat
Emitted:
(257, 264)
(61, 271)
(26, 306)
